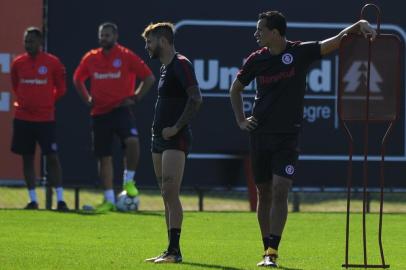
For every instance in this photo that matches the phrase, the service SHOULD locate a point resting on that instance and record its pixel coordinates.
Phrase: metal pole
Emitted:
(46, 183)
(349, 185)
(296, 202)
(77, 190)
(365, 165)
(382, 181)
(201, 197)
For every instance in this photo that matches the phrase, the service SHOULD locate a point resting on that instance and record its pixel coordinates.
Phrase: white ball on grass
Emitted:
(127, 203)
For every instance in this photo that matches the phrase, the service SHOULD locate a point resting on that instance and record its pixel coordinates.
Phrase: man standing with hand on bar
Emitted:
(280, 69)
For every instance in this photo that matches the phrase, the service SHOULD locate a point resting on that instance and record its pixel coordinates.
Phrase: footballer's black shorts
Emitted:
(273, 154)
(120, 122)
(181, 141)
(27, 133)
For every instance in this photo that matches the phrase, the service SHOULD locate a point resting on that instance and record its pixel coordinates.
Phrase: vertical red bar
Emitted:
(15, 17)
(365, 165)
(252, 190)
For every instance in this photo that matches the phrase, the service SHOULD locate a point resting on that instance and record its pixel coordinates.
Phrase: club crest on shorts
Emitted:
(287, 58)
(54, 146)
(290, 170)
(117, 63)
(42, 70)
(134, 131)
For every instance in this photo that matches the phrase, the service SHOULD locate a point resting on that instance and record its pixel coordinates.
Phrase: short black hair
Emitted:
(274, 20)
(111, 25)
(161, 29)
(32, 30)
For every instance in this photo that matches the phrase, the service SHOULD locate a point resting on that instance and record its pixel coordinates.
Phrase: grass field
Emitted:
(16, 197)
(210, 240)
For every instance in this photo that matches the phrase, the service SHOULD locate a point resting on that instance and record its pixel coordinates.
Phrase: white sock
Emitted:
(59, 194)
(32, 194)
(109, 196)
(128, 176)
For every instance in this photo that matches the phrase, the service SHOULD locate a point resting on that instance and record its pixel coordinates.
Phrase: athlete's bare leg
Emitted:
(279, 208)
(29, 171)
(106, 172)
(157, 161)
(272, 209)
(173, 163)
(54, 170)
(264, 191)
(132, 153)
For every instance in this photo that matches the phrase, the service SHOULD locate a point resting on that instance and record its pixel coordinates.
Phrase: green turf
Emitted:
(220, 240)
(214, 200)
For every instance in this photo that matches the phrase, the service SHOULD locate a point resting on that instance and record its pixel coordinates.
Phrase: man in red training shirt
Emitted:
(38, 81)
(113, 71)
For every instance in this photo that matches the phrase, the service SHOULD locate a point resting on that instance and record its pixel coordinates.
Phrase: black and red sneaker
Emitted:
(62, 206)
(269, 258)
(172, 256)
(31, 206)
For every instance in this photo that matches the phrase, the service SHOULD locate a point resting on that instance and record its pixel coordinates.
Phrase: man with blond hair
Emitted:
(179, 99)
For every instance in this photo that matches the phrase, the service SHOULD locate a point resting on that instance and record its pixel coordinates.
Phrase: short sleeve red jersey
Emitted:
(112, 76)
(37, 83)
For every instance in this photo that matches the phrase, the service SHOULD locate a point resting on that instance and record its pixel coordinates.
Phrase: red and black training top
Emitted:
(175, 79)
(281, 84)
(112, 76)
(37, 83)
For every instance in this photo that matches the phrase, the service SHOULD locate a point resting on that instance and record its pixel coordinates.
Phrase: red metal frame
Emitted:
(366, 121)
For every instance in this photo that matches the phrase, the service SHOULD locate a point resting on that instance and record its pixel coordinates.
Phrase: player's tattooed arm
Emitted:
(191, 108)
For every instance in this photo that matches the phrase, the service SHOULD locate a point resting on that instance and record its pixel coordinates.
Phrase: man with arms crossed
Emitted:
(179, 99)
(279, 68)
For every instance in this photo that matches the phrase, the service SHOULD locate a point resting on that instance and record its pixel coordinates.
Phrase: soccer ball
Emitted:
(126, 203)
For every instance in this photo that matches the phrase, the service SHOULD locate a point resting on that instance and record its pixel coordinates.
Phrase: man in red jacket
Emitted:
(113, 71)
(38, 81)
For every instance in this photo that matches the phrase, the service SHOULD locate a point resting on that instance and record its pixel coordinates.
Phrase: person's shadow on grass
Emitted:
(210, 266)
(92, 213)
(223, 267)
(287, 268)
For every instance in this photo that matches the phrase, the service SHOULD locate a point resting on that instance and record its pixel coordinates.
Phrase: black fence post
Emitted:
(48, 196)
(368, 203)
(200, 193)
(296, 202)
(77, 190)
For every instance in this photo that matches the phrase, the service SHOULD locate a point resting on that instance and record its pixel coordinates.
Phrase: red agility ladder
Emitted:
(369, 91)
